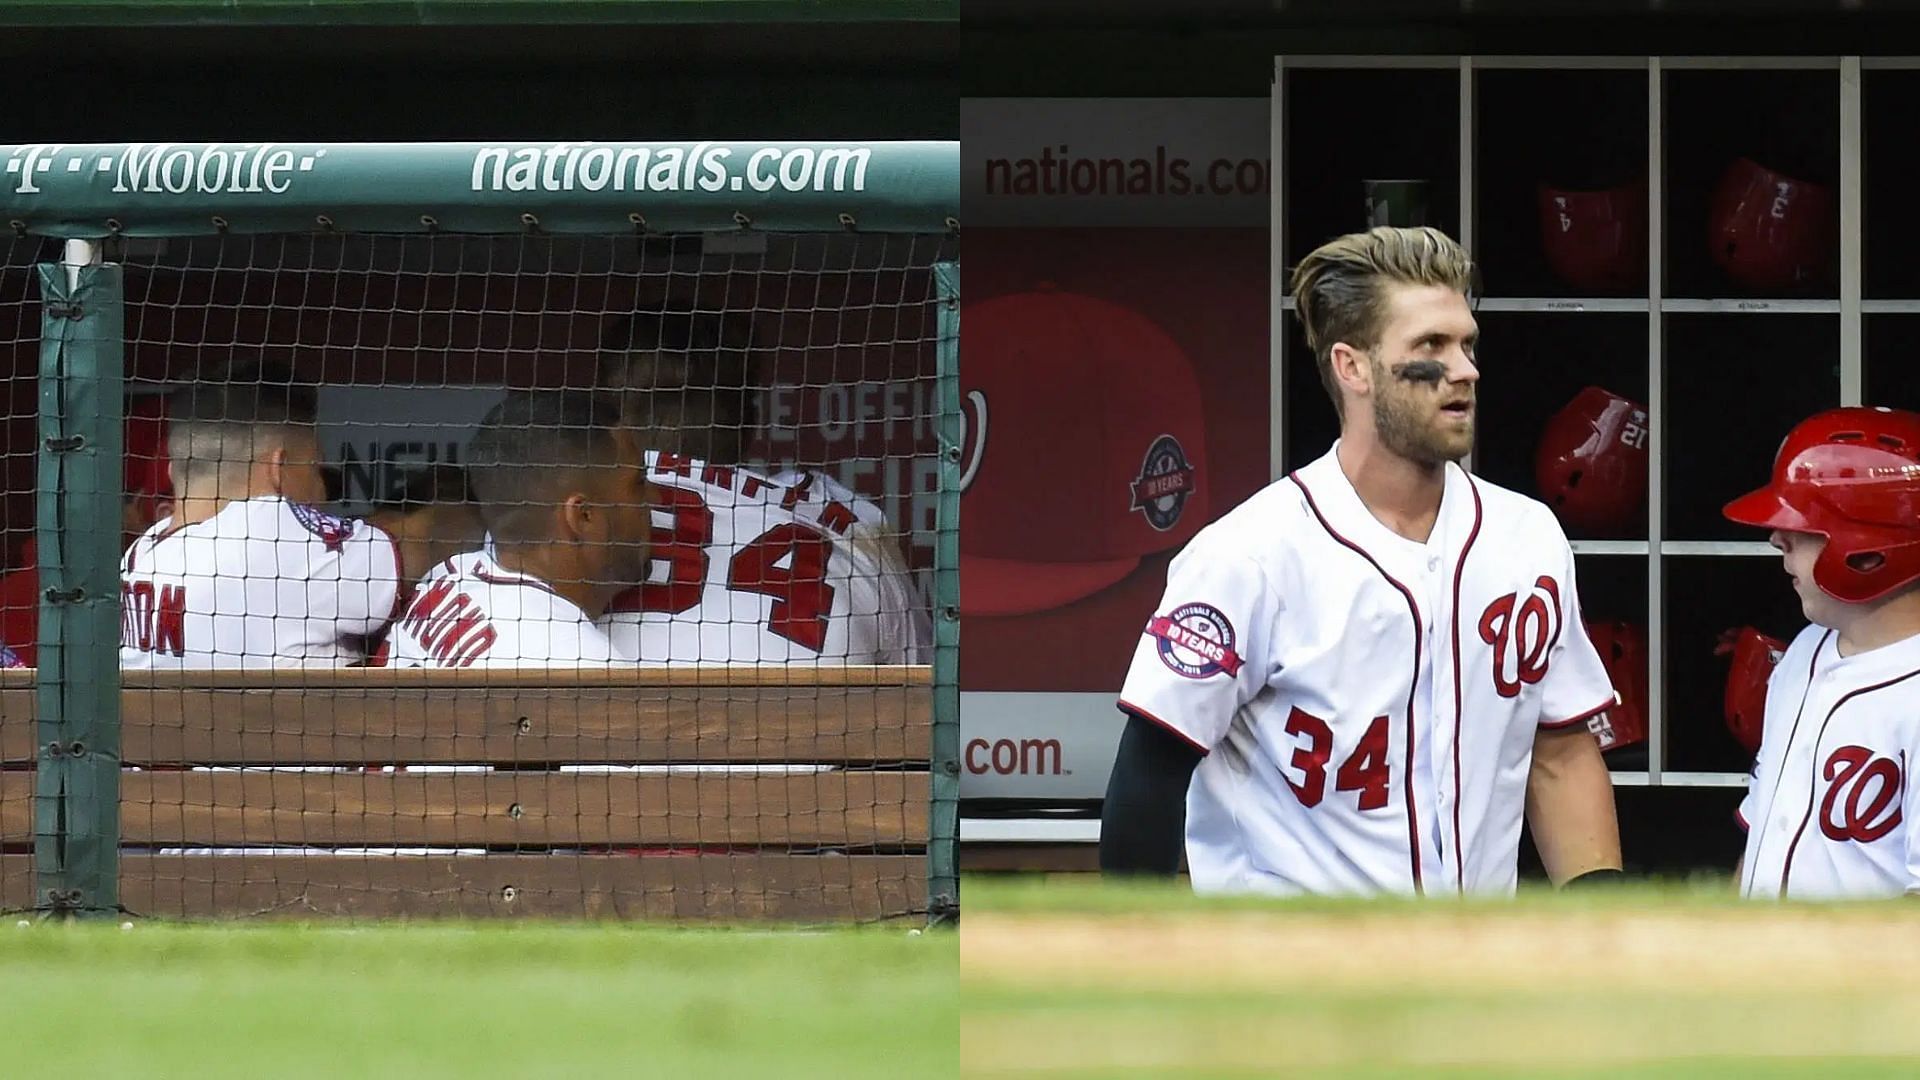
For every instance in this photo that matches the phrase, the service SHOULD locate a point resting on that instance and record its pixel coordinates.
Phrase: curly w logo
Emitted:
(1523, 632)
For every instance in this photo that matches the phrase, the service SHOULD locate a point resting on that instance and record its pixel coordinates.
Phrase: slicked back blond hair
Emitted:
(1340, 288)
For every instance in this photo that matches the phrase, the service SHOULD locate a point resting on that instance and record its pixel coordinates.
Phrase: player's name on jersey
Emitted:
(454, 634)
(153, 618)
(833, 515)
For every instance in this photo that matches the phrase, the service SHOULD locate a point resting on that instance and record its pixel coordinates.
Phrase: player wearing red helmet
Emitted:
(1840, 738)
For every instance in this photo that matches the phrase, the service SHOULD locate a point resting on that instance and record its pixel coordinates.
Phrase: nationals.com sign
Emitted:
(1037, 746)
(270, 168)
(1013, 757)
(188, 189)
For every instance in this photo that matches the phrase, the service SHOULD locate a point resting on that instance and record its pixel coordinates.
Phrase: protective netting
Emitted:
(542, 574)
(20, 339)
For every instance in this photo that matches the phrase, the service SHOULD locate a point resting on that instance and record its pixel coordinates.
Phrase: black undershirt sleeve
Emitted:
(1143, 823)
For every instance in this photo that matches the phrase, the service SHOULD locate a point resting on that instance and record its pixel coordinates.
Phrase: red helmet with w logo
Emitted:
(1851, 475)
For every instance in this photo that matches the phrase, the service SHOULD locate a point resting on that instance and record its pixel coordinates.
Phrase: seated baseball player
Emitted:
(246, 572)
(1830, 812)
(566, 504)
(748, 568)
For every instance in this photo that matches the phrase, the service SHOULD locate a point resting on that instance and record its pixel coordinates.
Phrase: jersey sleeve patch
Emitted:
(1196, 641)
(332, 531)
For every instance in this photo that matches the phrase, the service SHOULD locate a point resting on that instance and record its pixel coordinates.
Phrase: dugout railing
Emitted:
(701, 789)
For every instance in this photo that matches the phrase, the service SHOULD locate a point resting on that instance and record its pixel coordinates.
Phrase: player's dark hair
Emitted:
(647, 350)
(534, 450)
(230, 417)
(684, 374)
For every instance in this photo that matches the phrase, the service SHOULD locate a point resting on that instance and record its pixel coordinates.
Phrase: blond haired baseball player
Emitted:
(1830, 810)
(1359, 679)
(246, 572)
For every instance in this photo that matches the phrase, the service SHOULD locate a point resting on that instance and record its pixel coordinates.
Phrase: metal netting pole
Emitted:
(943, 877)
(78, 538)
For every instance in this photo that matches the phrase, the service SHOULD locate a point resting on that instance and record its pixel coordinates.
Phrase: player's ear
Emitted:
(277, 469)
(1351, 368)
(577, 515)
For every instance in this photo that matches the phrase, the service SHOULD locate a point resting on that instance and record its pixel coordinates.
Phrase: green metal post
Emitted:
(77, 787)
(943, 875)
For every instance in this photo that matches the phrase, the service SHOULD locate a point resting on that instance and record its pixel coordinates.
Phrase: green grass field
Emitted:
(1071, 980)
(92, 1002)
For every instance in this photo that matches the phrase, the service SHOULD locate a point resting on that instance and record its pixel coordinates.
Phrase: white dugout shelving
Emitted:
(1723, 373)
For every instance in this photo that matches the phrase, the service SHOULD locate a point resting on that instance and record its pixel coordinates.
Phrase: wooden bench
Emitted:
(725, 793)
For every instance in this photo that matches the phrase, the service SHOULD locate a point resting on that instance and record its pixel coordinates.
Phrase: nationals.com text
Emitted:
(1057, 172)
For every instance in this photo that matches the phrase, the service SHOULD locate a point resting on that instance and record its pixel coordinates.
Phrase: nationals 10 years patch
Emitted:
(1196, 641)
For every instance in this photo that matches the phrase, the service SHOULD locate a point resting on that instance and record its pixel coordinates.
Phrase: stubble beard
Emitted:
(1406, 429)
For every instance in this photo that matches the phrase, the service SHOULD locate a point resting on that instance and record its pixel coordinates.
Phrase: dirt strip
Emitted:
(1706, 949)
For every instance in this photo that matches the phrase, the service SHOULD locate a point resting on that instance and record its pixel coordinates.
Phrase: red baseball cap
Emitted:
(1085, 449)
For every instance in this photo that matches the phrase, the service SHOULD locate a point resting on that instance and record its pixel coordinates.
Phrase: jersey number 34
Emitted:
(802, 598)
(1364, 771)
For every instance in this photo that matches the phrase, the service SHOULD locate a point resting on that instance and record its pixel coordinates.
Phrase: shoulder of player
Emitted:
(367, 532)
(152, 534)
(1262, 528)
(1799, 653)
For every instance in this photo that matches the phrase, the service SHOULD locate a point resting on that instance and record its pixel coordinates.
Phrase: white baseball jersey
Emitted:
(263, 583)
(750, 571)
(1827, 811)
(472, 612)
(1367, 704)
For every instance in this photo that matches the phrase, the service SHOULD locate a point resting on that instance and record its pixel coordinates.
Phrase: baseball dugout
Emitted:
(769, 726)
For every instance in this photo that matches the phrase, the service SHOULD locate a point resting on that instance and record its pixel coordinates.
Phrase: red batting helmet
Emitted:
(1770, 231)
(1623, 648)
(1591, 463)
(1595, 240)
(1851, 475)
(1754, 657)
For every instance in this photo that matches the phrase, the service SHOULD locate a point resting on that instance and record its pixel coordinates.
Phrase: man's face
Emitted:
(1798, 550)
(1423, 374)
(626, 500)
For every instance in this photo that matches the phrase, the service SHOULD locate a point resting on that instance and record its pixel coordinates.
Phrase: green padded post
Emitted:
(943, 875)
(77, 787)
